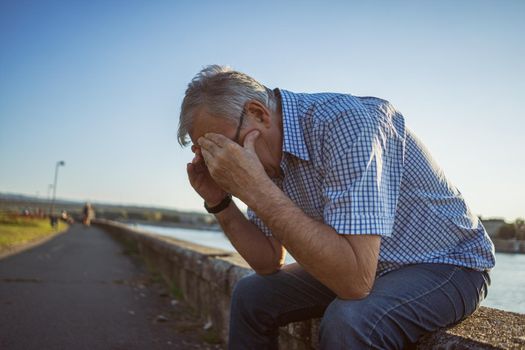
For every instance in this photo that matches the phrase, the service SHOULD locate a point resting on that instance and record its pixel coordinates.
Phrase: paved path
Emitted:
(79, 291)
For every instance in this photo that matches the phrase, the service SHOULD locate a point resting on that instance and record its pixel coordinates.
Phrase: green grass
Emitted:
(157, 278)
(176, 292)
(17, 231)
(211, 337)
(130, 247)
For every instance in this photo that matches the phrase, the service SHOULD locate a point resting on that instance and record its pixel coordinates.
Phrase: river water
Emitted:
(507, 291)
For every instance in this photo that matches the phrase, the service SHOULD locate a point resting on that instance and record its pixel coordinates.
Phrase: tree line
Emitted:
(515, 230)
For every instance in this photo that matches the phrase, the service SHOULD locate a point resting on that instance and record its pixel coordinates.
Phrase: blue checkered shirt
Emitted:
(351, 163)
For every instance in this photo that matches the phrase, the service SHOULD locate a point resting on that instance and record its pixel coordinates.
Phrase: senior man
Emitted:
(386, 249)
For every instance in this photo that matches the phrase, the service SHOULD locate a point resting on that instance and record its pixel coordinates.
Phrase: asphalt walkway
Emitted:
(79, 291)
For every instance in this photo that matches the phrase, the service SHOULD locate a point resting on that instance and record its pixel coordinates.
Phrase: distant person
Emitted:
(64, 216)
(53, 220)
(387, 250)
(88, 214)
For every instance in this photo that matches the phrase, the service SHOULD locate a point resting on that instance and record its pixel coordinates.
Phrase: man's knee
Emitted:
(251, 292)
(245, 290)
(345, 324)
(252, 303)
(360, 324)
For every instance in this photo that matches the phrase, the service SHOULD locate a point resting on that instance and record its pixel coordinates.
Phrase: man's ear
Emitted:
(258, 112)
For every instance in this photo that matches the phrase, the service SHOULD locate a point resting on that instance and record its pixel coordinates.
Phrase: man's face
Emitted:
(204, 123)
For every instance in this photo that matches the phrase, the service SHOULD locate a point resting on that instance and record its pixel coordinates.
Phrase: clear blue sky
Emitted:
(99, 85)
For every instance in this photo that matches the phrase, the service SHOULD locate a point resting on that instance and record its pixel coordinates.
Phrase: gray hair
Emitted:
(223, 92)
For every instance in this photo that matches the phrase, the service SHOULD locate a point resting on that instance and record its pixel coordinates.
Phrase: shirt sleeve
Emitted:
(259, 223)
(364, 164)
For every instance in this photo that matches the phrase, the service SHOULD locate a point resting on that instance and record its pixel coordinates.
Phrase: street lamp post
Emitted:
(49, 188)
(60, 163)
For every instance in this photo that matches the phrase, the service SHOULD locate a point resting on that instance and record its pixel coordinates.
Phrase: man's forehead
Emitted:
(204, 123)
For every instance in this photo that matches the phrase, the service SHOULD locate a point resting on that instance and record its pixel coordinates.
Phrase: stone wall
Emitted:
(205, 278)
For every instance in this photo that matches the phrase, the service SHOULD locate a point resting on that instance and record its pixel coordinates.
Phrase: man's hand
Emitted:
(236, 169)
(201, 180)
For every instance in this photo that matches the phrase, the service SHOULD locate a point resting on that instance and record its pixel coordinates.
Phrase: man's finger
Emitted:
(197, 158)
(207, 145)
(249, 140)
(218, 139)
(193, 173)
(208, 156)
(190, 169)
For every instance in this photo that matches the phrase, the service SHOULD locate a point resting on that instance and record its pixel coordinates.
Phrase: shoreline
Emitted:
(202, 227)
(510, 246)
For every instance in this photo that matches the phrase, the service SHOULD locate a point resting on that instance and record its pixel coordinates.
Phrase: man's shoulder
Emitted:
(376, 104)
(339, 116)
(319, 112)
(327, 106)
(328, 101)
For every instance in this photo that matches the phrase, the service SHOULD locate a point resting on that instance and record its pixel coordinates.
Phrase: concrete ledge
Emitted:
(205, 277)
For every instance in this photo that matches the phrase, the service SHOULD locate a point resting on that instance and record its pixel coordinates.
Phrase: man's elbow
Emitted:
(353, 295)
(267, 271)
(351, 291)
(270, 267)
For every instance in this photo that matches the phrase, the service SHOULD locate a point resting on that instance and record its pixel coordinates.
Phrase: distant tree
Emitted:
(520, 229)
(136, 216)
(507, 231)
(155, 216)
(171, 218)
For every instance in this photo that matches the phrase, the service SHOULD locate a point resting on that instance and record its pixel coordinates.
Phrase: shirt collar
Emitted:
(293, 136)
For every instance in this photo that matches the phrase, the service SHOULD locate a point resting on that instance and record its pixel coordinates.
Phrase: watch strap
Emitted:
(219, 207)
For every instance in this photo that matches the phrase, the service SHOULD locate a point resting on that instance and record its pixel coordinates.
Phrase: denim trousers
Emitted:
(403, 305)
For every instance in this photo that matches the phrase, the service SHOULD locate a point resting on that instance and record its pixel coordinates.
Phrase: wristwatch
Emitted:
(219, 207)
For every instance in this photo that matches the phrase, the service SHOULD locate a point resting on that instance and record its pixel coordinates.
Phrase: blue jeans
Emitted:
(404, 305)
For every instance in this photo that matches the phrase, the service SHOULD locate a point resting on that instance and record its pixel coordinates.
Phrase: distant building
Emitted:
(492, 226)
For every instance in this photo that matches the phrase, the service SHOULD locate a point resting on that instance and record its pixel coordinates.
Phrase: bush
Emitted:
(507, 231)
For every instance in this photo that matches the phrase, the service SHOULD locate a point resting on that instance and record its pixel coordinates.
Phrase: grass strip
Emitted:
(15, 231)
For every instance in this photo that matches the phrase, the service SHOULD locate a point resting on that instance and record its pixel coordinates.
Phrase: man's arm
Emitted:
(345, 264)
(264, 254)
